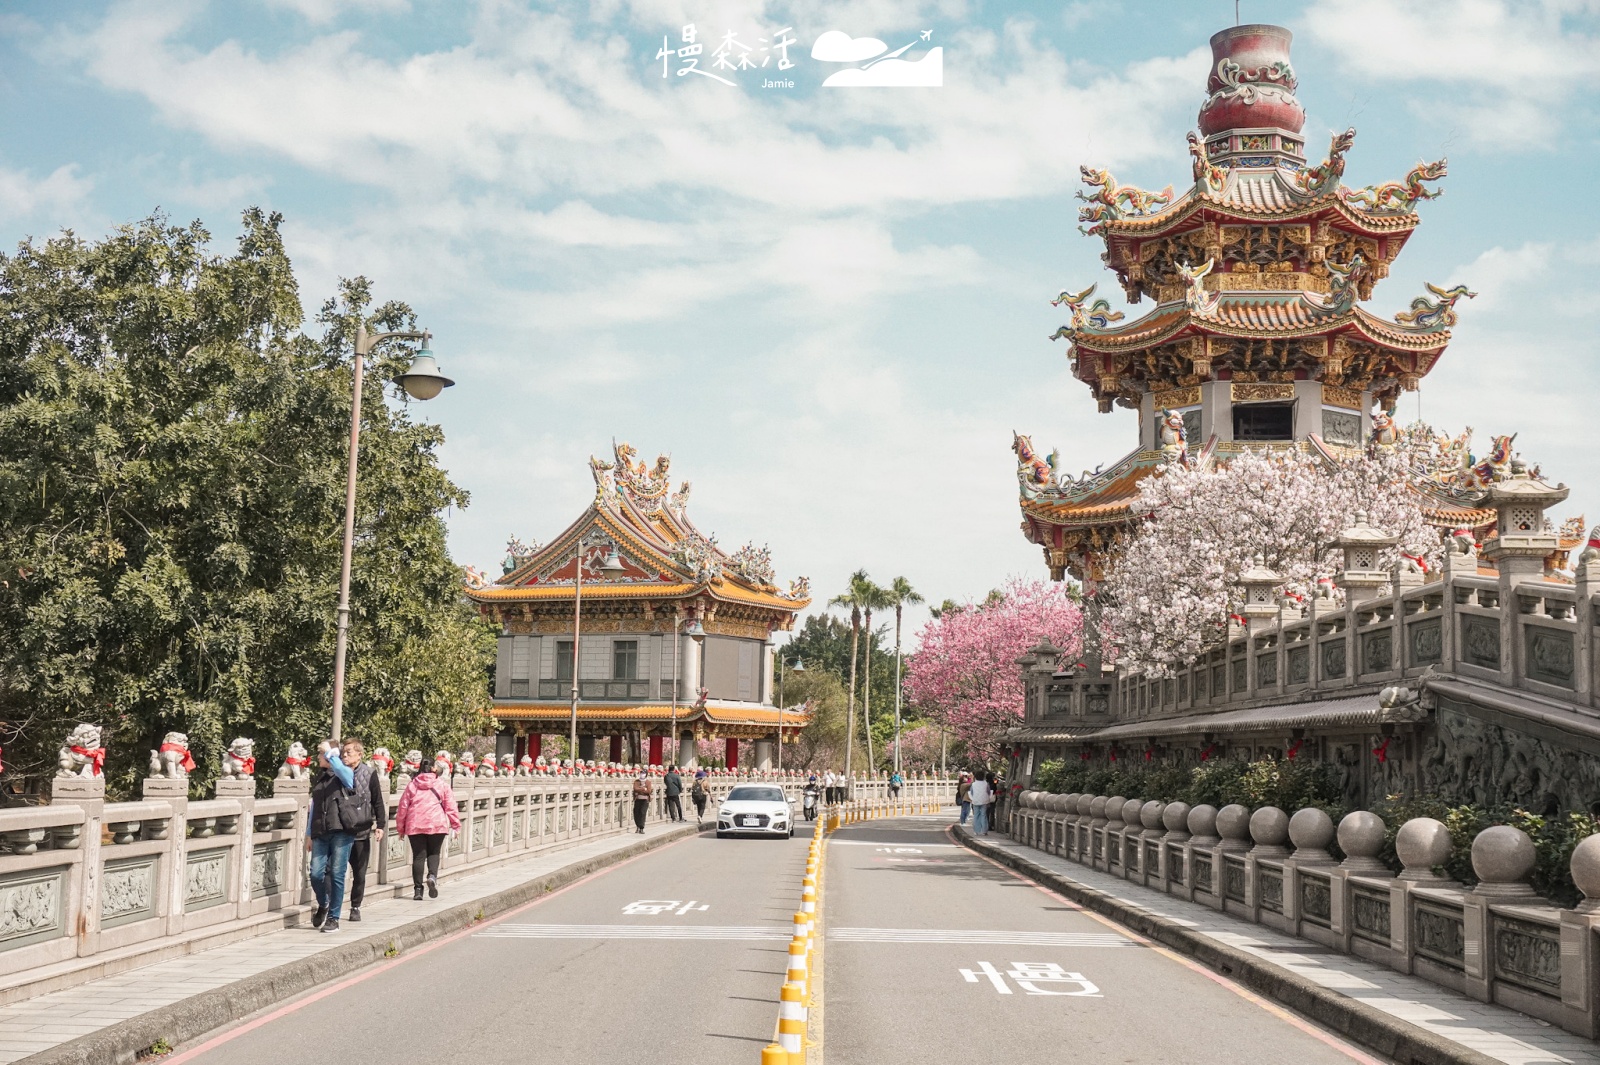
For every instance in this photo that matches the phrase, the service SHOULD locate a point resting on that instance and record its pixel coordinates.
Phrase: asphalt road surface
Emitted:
(933, 954)
(936, 954)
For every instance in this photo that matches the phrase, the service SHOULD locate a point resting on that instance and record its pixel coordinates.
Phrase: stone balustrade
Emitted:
(83, 878)
(1495, 942)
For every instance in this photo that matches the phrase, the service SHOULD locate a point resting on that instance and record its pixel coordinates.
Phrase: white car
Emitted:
(756, 809)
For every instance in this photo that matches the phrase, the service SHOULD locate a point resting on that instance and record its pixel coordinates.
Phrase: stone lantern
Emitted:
(1521, 542)
(1260, 592)
(1362, 579)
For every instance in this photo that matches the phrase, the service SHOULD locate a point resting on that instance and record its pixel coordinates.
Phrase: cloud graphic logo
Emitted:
(879, 67)
(836, 46)
(924, 73)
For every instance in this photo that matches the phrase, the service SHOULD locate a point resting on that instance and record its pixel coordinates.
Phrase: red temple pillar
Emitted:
(534, 744)
(616, 747)
(732, 746)
(522, 747)
(655, 749)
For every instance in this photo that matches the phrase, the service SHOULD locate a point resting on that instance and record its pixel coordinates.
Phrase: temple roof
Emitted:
(712, 713)
(661, 553)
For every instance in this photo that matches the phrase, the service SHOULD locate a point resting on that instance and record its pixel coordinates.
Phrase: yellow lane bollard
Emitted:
(798, 971)
(773, 1054)
(792, 1022)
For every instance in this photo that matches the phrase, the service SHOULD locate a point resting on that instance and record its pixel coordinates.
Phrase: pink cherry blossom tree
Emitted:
(964, 675)
(1173, 589)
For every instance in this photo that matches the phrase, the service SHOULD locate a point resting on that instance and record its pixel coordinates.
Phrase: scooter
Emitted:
(809, 802)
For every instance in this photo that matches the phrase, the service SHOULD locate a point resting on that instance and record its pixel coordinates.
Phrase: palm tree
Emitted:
(901, 595)
(853, 596)
(872, 598)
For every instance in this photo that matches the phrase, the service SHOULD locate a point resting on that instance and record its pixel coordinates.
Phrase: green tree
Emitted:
(854, 596)
(901, 595)
(172, 448)
(873, 597)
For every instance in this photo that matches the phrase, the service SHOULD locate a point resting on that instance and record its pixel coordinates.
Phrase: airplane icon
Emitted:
(927, 35)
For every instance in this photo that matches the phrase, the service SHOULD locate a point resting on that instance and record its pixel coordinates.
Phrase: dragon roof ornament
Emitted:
(753, 564)
(699, 557)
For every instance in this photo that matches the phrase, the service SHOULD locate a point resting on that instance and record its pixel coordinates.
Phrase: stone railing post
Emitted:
(241, 790)
(295, 871)
(1175, 819)
(1502, 857)
(1580, 998)
(1111, 834)
(1202, 857)
(1310, 830)
(1151, 852)
(174, 791)
(88, 794)
(1269, 829)
(1360, 836)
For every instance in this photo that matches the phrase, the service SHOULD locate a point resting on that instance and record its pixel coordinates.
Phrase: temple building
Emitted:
(1477, 679)
(1257, 339)
(673, 635)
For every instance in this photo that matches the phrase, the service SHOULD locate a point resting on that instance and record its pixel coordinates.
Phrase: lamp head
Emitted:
(798, 667)
(422, 380)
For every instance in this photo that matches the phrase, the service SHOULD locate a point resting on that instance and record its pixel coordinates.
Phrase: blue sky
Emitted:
(830, 306)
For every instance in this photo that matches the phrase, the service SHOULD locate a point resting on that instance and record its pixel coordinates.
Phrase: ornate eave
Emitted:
(1258, 315)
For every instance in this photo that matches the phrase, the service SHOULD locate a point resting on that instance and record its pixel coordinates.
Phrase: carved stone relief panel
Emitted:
(1548, 655)
(1527, 954)
(31, 907)
(1469, 760)
(1233, 879)
(1437, 934)
(1299, 668)
(1370, 914)
(1316, 899)
(205, 880)
(128, 891)
(1333, 659)
(1342, 428)
(1267, 670)
(1202, 873)
(267, 869)
(1427, 642)
(1480, 641)
(1271, 887)
(1377, 651)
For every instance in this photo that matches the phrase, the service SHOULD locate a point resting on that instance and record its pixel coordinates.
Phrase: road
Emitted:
(933, 954)
(936, 954)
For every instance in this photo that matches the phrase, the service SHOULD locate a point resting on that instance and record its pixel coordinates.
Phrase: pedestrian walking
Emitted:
(329, 835)
(895, 780)
(642, 791)
(700, 792)
(366, 780)
(963, 799)
(978, 795)
(426, 814)
(672, 787)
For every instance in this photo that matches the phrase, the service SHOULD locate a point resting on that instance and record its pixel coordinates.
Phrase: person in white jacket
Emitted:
(980, 795)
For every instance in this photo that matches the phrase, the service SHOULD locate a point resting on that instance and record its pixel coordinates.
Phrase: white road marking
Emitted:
(962, 935)
(628, 931)
(1029, 975)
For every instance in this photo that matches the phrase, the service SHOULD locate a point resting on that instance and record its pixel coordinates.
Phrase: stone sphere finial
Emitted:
(1361, 838)
(1097, 807)
(1421, 844)
(1150, 814)
(1311, 830)
(1085, 805)
(1503, 857)
(1133, 813)
(1269, 827)
(1114, 807)
(1202, 824)
(1586, 872)
(1176, 819)
(1233, 824)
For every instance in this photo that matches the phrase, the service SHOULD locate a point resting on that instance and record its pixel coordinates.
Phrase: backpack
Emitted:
(699, 787)
(355, 805)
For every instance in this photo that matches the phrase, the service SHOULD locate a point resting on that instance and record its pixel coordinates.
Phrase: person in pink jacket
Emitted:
(426, 814)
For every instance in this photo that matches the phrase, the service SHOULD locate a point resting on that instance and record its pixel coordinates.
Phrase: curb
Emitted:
(198, 1015)
(1396, 1039)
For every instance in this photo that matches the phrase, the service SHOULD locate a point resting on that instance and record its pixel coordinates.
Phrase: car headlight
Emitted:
(724, 812)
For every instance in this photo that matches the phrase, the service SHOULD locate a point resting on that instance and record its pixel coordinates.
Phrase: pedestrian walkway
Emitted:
(1496, 1031)
(38, 1024)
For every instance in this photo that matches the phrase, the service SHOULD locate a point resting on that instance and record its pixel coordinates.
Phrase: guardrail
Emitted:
(1495, 942)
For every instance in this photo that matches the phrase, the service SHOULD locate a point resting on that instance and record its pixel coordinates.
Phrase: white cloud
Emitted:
(24, 197)
(1503, 71)
(319, 12)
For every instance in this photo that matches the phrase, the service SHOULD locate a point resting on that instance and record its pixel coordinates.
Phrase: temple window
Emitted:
(1263, 421)
(625, 660)
(564, 660)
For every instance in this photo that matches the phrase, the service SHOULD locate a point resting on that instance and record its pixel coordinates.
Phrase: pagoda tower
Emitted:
(1258, 338)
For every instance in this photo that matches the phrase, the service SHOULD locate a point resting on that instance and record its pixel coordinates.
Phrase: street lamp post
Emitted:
(422, 380)
(611, 565)
(798, 667)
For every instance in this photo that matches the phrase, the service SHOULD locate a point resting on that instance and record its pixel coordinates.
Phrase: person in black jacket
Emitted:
(328, 828)
(673, 787)
(366, 781)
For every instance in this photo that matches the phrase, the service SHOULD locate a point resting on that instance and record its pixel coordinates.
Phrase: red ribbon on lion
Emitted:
(96, 756)
(168, 748)
(247, 766)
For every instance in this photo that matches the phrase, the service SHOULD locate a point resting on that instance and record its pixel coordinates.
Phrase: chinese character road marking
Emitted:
(900, 850)
(656, 907)
(1029, 975)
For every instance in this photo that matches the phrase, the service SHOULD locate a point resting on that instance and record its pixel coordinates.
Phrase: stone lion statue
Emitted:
(525, 767)
(508, 765)
(172, 760)
(466, 765)
(382, 761)
(82, 755)
(442, 763)
(487, 768)
(239, 760)
(296, 764)
(412, 763)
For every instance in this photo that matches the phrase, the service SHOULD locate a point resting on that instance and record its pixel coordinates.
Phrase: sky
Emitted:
(830, 305)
